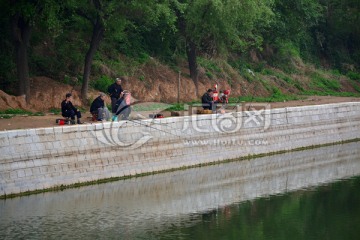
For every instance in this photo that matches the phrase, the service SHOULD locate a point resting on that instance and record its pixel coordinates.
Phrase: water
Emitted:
(312, 194)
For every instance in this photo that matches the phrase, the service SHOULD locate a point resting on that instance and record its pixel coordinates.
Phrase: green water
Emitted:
(326, 212)
(313, 194)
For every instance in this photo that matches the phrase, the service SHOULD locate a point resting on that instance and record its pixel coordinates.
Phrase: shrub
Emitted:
(353, 76)
(102, 83)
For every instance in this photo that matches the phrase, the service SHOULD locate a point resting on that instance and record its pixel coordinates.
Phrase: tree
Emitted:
(340, 32)
(293, 29)
(215, 27)
(23, 17)
(97, 13)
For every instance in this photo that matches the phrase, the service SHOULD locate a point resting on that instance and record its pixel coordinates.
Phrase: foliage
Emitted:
(55, 111)
(102, 83)
(15, 111)
(354, 76)
(11, 112)
(283, 34)
(325, 84)
(150, 107)
(176, 107)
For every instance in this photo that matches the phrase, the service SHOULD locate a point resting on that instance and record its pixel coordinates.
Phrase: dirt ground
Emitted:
(49, 120)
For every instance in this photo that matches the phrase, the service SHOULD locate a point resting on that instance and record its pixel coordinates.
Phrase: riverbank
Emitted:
(54, 157)
(49, 119)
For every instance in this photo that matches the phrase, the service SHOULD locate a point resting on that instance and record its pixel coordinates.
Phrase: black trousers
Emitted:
(113, 105)
(71, 114)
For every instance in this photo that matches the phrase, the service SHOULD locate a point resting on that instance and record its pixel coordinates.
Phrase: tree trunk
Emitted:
(21, 36)
(191, 55)
(97, 35)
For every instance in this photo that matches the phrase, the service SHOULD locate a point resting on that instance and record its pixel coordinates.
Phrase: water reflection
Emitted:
(172, 205)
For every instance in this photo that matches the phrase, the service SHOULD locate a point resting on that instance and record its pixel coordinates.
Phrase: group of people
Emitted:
(120, 105)
(212, 97)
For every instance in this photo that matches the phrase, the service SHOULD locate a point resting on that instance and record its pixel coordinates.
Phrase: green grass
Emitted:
(324, 84)
(355, 86)
(330, 93)
(273, 98)
(12, 112)
(353, 76)
(55, 111)
(15, 111)
(6, 116)
(176, 107)
(150, 107)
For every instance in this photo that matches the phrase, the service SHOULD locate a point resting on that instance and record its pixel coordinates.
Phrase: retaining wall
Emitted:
(36, 159)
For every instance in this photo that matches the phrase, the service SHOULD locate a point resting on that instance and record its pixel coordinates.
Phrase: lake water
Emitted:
(312, 194)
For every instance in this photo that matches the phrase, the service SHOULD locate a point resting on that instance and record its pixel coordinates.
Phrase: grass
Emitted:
(150, 107)
(11, 112)
(15, 111)
(330, 93)
(353, 76)
(324, 84)
(55, 111)
(272, 98)
(176, 107)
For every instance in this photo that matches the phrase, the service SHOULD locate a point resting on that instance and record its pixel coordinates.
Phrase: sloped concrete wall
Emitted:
(36, 159)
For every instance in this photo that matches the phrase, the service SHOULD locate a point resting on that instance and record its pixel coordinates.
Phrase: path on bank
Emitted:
(24, 122)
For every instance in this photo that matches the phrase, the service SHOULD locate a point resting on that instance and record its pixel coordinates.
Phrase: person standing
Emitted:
(68, 110)
(115, 91)
(98, 109)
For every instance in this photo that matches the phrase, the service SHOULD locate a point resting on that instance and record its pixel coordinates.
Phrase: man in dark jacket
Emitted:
(115, 91)
(68, 110)
(207, 100)
(98, 108)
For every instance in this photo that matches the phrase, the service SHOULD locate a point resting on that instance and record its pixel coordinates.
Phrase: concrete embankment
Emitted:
(38, 159)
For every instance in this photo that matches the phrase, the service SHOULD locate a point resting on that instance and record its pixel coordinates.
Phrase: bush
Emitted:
(353, 76)
(102, 83)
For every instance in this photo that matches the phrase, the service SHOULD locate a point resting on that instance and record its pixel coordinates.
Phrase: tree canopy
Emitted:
(68, 38)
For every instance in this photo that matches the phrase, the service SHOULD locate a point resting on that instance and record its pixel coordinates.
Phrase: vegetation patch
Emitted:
(354, 76)
(150, 107)
(324, 84)
(11, 112)
(176, 107)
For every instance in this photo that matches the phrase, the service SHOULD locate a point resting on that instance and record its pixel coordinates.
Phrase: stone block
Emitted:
(58, 130)
(20, 173)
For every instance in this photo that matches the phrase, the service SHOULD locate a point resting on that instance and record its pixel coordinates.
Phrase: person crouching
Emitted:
(207, 100)
(98, 109)
(68, 110)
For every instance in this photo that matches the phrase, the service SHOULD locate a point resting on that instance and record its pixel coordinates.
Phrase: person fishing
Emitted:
(207, 100)
(123, 108)
(98, 109)
(224, 97)
(115, 92)
(68, 110)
